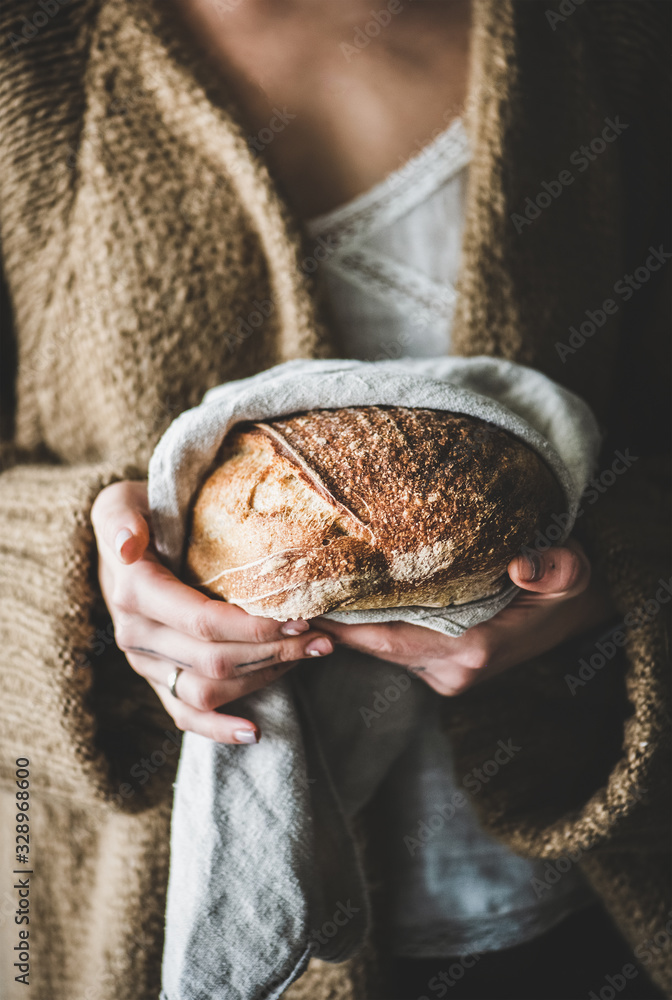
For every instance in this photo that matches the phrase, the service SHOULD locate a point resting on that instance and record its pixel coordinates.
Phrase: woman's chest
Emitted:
(336, 105)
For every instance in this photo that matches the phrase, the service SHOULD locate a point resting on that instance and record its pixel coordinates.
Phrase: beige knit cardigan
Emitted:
(138, 231)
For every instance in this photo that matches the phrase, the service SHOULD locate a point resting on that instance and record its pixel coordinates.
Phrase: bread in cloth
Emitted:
(365, 507)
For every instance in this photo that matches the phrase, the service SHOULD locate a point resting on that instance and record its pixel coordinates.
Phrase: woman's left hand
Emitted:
(559, 601)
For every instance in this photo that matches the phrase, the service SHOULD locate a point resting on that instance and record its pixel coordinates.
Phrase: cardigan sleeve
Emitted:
(587, 781)
(51, 609)
(587, 778)
(592, 717)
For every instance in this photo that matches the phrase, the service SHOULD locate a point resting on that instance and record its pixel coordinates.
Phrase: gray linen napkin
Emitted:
(264, 871)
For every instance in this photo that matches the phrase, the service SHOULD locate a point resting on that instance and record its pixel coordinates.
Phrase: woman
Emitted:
(140, 233)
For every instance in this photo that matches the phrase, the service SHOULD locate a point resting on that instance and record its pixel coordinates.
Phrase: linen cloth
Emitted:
(264, 871)
(389, 278)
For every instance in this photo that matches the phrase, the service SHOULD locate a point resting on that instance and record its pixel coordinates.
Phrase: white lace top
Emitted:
(394, 254)
(390, 275)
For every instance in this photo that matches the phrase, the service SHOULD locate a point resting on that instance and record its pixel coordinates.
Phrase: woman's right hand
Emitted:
(160, 623)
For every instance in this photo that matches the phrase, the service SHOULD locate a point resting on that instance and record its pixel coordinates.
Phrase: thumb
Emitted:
(120, 518)
(557, 572)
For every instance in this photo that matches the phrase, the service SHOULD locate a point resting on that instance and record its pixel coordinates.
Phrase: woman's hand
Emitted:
(160, 623)
(559, 601)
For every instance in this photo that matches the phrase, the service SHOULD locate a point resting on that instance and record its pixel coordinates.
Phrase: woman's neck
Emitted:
(359, 88)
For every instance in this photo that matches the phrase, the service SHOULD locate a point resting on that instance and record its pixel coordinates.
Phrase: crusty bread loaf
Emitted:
(365, 507)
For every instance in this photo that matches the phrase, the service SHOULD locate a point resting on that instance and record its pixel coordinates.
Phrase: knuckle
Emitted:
(456, 684)
(216, 663)
(264, 630)
(287, 652)
(124, 598)
(201, 624)
(383, 646)
(99, 503)
(475, 658)
(258, 628)
(440, 685)
(124, 632)
(207, 697)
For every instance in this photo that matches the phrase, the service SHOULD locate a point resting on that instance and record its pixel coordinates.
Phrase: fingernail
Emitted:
(122, 537)
(531, 569)
(245, 736)
(294, 627)
(319, 647)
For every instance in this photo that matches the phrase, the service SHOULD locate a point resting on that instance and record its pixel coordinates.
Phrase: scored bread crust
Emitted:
(365, 507)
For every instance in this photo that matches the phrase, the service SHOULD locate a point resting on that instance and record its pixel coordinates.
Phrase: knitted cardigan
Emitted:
(140, 234)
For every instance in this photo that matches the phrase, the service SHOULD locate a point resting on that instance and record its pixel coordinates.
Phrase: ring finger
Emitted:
(217, 660)
(204, 693)
(213, 725)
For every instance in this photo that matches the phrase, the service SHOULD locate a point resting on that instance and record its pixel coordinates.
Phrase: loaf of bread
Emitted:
(365, 507)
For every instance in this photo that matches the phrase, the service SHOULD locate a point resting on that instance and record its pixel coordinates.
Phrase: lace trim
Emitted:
(349, 226)
(398, 285)
(400, 191)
